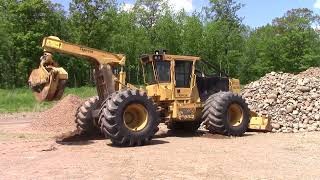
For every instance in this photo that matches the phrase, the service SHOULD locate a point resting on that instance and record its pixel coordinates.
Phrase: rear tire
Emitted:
(129, 118)
(227, 114)
(84, 120)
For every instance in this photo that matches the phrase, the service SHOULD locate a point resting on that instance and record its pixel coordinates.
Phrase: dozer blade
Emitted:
(48, 81)
(259, 123)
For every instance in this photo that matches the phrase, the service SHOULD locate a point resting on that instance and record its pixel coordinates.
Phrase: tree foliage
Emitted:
(217, 34)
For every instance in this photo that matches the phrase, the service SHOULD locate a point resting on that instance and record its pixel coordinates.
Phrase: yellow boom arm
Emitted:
(48, 81)
(55, 45)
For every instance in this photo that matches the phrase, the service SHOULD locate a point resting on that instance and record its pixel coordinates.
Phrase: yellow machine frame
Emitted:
(184, 104)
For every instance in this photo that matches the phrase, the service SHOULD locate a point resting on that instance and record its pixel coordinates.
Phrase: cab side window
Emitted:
(183, 71)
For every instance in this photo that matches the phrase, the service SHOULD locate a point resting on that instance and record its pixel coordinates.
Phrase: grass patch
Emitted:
(22, 100)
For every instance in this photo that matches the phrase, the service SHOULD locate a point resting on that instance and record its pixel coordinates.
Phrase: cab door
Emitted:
(183, 75)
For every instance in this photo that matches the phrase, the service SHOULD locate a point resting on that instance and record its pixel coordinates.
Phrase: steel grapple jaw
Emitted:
(48, 81)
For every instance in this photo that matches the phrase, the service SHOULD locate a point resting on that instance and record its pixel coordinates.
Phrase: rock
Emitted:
(304, 89)
(311, 129)
(300, 82)
(307, 103)
(309, 109)
(289, 130)
(271, 101)
(272, 96)
(291, 101)
(302, 130)
(290, 109)
(302, 126)
(295, 112)
(306, 81)
(315, 96)
(310, 122)
(276, 126)
(316, 125)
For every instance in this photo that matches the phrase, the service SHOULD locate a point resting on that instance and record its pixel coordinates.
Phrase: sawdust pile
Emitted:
(60, 118)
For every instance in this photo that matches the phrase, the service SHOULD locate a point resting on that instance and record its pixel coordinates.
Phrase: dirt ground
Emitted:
(37, 155)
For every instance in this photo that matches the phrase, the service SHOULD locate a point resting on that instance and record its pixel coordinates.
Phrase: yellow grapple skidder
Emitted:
(176, 93)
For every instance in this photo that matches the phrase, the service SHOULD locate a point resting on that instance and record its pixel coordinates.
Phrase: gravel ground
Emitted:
(60, 118)
(37, 155)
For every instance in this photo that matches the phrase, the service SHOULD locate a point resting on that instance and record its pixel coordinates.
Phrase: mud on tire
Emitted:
(227, 114)
(129, 118)
(84, 120)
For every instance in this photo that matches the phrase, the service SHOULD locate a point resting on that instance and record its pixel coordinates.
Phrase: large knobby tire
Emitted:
(84, 120)
(129, 118)
(227, 114)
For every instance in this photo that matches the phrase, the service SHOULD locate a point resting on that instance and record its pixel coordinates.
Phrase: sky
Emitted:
(256, 13)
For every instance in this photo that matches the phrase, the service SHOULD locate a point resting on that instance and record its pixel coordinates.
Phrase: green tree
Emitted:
(167, 33)
(192, 35)
(27, 23)
(223, 35)
(298, 39)
(90, 23)
(148, 13)
(262, 53)
(6, 78)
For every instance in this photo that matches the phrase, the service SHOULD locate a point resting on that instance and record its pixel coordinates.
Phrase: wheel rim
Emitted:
(135, 117)
(235, 115)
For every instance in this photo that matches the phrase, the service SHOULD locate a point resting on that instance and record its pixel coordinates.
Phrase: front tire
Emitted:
(227, 114)
(84, 120)
(129, 118)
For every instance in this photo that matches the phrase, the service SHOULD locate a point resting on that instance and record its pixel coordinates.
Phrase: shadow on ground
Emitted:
(151, 143)
(199, 133)
(179, 133)
(77, 139)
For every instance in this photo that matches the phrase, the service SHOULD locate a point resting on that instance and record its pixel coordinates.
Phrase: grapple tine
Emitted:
(60, 90)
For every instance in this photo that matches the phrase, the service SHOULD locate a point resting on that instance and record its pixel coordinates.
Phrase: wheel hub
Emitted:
(235, 115)
(135, 117)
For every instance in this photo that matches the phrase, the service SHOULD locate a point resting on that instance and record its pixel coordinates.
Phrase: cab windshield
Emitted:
(162, 69)
(149, 74)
